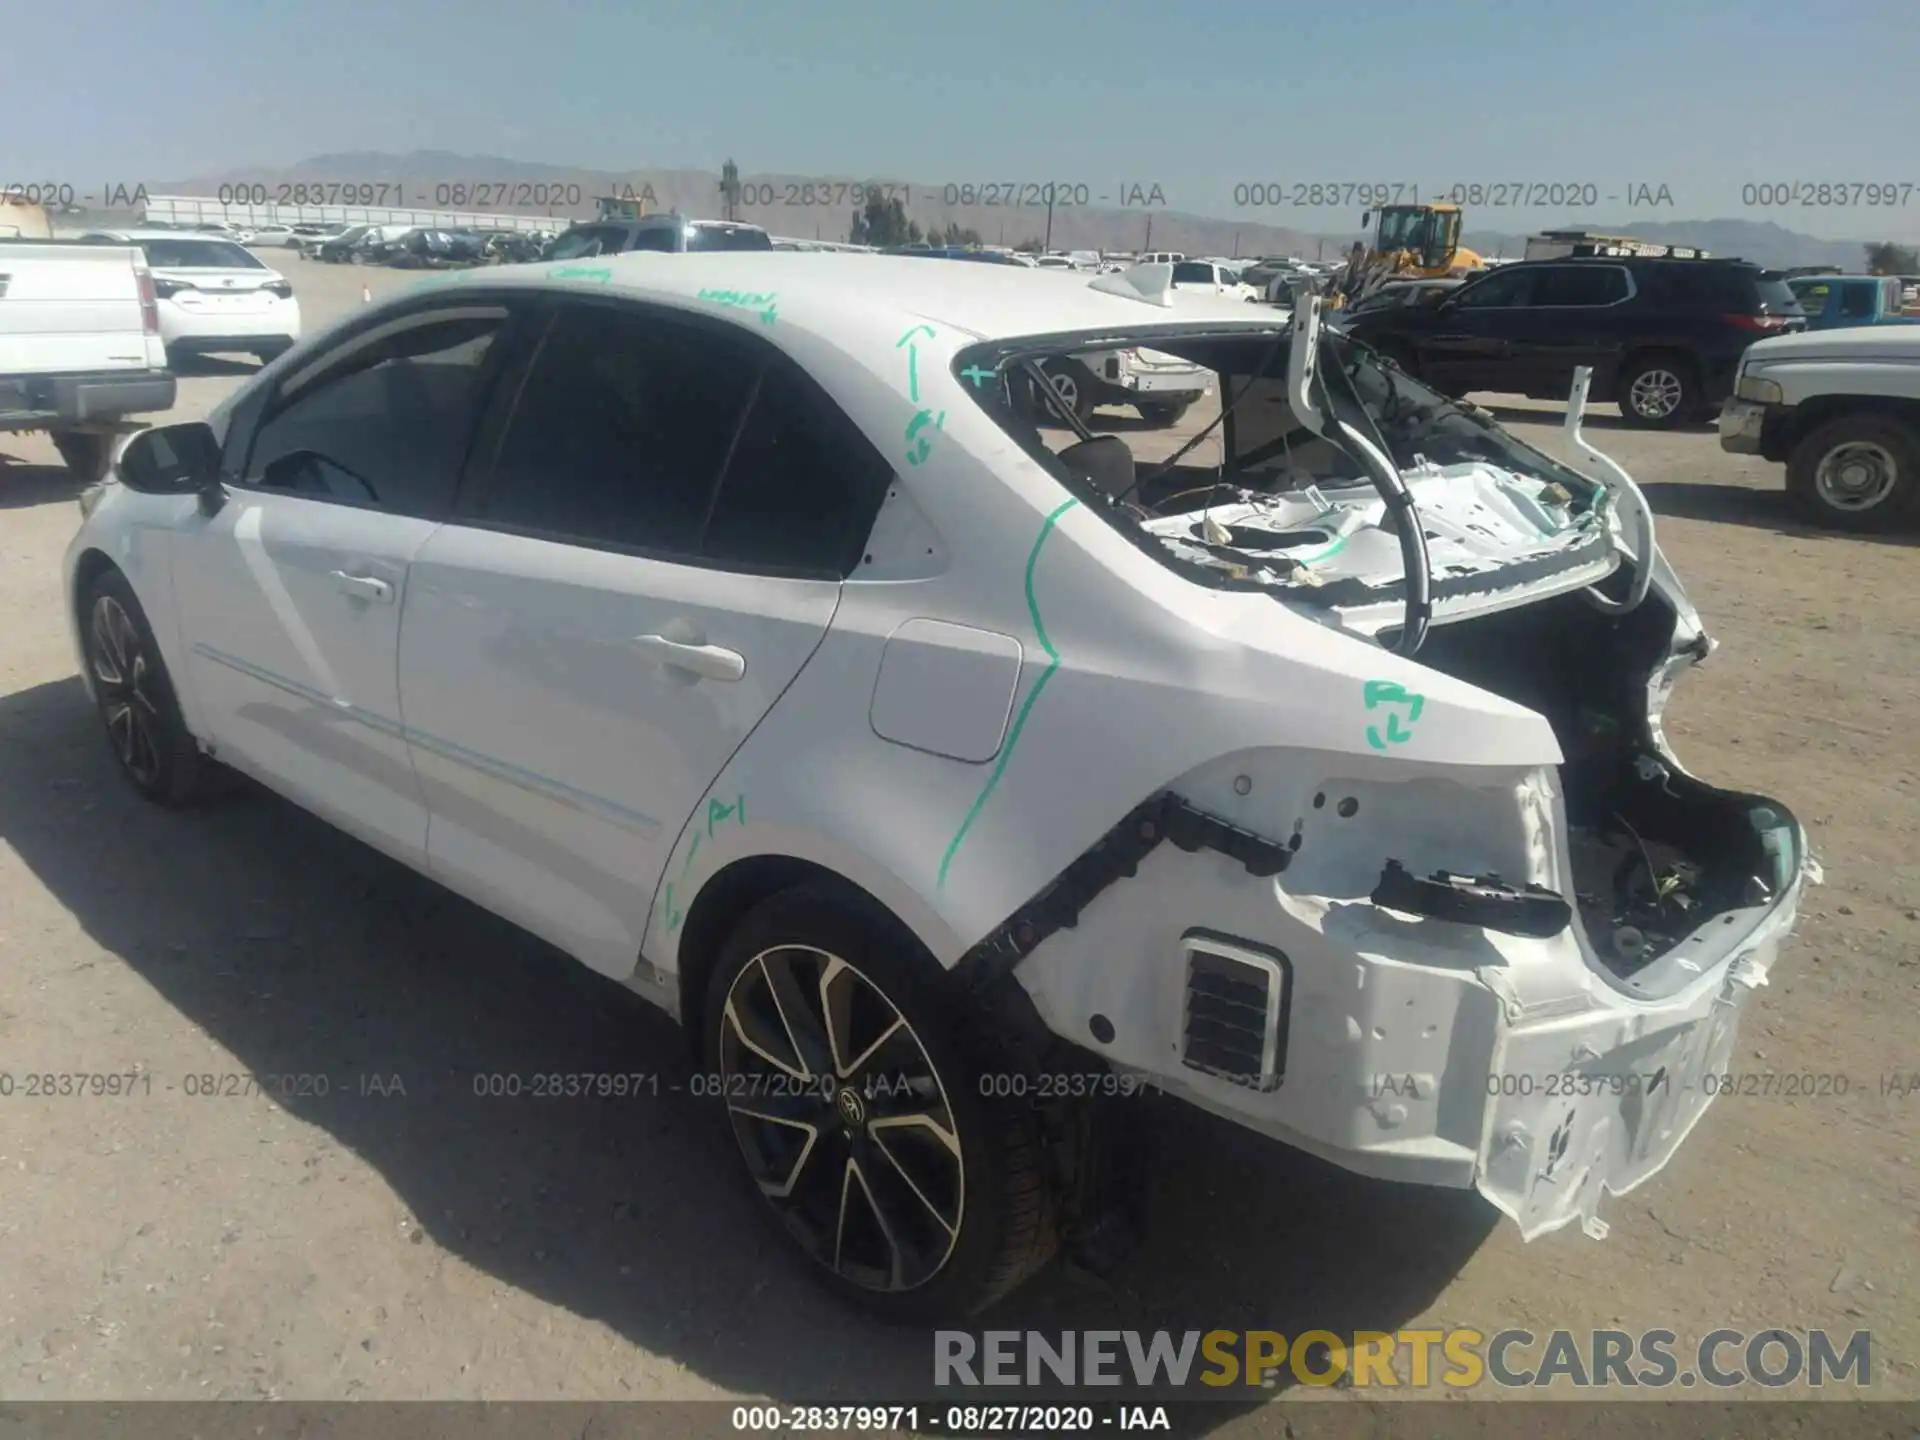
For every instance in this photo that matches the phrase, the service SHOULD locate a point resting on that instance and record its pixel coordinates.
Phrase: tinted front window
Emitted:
(1579, 285)
(717, 237)
(621, 430)
(389, 427)
(1191, 274)
(657, 238)
(1498, 291)
(198, 255)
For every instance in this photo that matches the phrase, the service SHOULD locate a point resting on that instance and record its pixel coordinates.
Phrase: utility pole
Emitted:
(729, 191)
(1047, 244)
(1149, 245)
(1236, 244)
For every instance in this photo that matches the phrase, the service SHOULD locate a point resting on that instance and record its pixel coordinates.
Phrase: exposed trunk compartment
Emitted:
(1656, 855)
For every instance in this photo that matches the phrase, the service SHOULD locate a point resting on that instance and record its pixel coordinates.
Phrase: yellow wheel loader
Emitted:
(1410, 242)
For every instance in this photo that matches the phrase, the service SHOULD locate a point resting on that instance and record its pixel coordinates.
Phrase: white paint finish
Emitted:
(559, 757)
(946, 689)
(67, 309)
(292, 676)
(590, 792)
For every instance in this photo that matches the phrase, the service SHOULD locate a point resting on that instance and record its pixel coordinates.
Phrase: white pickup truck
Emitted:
(1842, 409)
(80, 346)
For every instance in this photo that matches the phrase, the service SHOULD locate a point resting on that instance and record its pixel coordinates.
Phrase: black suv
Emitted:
(1664, 337)
(674, 233)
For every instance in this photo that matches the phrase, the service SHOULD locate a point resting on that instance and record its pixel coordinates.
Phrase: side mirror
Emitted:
(170, 460)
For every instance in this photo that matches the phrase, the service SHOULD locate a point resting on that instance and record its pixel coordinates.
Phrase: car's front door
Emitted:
(654, 554)
(1464, 342)
(289, 596)
(1576, 314)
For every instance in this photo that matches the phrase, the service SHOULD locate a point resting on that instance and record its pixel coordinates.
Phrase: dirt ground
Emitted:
(435, 1245)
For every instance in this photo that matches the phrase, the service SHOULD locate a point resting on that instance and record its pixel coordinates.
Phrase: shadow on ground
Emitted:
(24, 485)
(301, 951)
(1758, 509)
(191, 367)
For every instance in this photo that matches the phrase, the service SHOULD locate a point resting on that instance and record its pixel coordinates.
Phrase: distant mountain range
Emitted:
(809, 207)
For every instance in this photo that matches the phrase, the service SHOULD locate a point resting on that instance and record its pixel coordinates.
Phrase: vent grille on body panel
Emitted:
(1236, 1012)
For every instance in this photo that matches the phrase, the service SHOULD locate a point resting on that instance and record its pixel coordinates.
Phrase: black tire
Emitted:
(89, 457)
(1658, 392)
(354, 257)
(1075, 384)
(1164, 415)
(1858, 472)
(1003, 1228)
(136, 700)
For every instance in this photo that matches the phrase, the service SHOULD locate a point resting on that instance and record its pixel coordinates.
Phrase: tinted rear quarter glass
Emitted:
(803, 485)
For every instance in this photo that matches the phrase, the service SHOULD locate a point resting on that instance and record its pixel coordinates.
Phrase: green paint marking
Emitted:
(599, 273)
(978, 376)
(1020, 720)
(908, 337)
(923, 446)
(716, 812)
(1385, 692)
(765, 303)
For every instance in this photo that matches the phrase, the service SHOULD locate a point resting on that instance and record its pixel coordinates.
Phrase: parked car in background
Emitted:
(80, 346)
(1663, 336)
(273, 236)
(1836, 302)
(1207, 277)
(1841, 409)
(641, 623)
(214, 296)
(672, 233)
(344, 247)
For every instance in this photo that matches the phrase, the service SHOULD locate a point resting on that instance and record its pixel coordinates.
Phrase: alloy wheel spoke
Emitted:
(952, 1227)
(108, 665)
(765, 1046)
(934, 1123)
(120, 727)
(805, 1029)
(781, 1186)
(803, 1107)
(855, 1190)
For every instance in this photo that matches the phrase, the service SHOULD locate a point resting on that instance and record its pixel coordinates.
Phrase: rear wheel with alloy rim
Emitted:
(1658, 392)
(136, 699)
(859, 1102)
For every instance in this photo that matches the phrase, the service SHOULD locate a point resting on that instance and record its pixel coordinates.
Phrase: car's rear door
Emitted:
(289, 598)
(654, 552)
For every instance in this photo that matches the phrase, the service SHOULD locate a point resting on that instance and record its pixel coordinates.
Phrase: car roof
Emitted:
(207, 236)
(816, 290)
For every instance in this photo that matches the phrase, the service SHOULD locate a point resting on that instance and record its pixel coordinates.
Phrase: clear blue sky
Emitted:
(1699, 95)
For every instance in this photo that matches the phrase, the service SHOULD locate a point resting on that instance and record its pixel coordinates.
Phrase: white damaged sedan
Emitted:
(729, 621)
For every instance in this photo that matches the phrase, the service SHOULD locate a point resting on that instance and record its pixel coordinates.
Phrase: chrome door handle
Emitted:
(364, 587)
(710, 662)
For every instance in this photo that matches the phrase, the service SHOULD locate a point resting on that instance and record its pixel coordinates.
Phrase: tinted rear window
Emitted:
(1733, 289)
(198, 255)
(716, 237)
